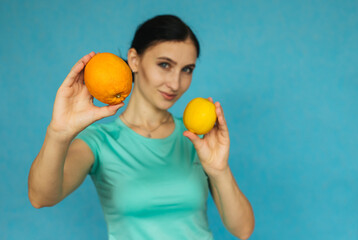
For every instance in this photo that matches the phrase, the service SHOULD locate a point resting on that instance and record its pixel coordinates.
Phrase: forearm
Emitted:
(46, 173)
(235, 210)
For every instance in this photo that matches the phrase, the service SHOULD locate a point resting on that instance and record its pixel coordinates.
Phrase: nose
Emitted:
(173, 81)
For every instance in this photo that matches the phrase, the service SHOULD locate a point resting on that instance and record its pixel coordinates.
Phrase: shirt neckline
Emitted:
(134, 133)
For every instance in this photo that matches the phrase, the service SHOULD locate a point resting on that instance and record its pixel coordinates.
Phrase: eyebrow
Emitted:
(172, 61)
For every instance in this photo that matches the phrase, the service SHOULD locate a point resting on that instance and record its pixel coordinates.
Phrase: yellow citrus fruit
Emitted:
(199, 116)
(108, 78)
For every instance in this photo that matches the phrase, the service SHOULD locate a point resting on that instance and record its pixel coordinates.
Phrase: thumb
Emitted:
(195, 139)
(109, 110)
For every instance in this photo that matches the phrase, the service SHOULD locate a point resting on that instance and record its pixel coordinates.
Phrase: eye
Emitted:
(164, 65)
(188, 69)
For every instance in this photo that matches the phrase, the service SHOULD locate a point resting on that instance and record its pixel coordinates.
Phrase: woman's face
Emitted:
(164, 72)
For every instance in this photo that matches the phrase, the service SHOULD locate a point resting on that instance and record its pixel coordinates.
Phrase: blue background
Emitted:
(285, 72)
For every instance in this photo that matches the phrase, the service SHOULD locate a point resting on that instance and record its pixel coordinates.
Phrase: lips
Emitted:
(168, 96)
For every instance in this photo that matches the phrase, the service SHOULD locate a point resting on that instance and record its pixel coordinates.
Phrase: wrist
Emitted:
(220, 176)
(59, 135)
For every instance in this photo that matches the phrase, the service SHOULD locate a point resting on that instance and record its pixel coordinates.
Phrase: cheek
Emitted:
(185, 83)
(151, 76)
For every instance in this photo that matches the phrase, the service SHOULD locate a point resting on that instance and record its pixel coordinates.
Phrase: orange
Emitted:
(199, 116)
(108, 78)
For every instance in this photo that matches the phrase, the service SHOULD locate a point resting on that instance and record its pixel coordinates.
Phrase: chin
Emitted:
(165, 105)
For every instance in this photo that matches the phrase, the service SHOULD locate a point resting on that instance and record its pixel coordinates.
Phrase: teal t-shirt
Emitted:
(148, 188)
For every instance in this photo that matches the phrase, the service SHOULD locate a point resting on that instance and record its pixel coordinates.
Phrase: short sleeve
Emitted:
(90, 136)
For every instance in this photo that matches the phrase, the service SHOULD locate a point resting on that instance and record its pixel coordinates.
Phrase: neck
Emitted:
(141, 112)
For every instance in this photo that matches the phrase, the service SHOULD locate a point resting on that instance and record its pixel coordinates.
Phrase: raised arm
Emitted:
(62, 164)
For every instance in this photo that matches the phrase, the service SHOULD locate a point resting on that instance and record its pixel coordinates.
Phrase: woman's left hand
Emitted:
(213, 148)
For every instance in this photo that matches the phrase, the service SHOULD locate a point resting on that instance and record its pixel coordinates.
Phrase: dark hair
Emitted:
(160, 29)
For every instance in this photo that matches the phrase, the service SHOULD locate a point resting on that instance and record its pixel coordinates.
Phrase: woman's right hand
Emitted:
(73, 109)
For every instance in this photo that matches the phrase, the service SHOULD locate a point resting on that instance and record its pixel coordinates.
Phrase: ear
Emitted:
(133, 59)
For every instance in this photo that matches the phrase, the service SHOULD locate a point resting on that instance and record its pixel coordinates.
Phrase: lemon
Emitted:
(199, 116)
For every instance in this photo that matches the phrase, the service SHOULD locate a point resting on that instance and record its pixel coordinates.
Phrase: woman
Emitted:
(152, 176)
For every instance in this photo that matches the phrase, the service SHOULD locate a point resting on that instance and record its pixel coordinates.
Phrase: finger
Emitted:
(210, 99)
(220, 117)
(107, 111)
(77, 68)
(195, 139)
